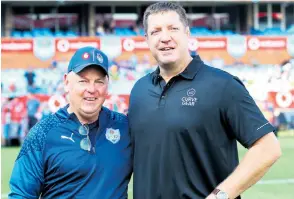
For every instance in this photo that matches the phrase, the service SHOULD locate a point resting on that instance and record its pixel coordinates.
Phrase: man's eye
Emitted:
(175, 28)
(153, 32)
(82, 81)
(100, 82)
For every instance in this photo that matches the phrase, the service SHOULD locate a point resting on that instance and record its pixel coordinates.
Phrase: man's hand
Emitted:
(256, 162)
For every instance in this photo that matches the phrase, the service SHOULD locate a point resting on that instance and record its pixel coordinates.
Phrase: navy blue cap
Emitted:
(88, 56)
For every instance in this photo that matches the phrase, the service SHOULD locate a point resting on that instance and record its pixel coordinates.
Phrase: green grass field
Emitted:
(269, 188)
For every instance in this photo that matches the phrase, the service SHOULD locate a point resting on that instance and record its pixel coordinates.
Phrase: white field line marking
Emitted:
(277, 181)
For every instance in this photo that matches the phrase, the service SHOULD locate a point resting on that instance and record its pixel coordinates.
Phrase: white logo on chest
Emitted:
(113, 135)
(189, 100)
(68, 138)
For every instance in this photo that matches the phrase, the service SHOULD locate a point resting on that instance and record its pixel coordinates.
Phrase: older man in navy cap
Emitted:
(84, 149)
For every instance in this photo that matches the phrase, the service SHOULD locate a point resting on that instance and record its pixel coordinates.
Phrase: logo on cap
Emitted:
(85, 55)
(100, 58)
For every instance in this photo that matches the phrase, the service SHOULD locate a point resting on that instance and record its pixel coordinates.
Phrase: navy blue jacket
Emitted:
(52, 164)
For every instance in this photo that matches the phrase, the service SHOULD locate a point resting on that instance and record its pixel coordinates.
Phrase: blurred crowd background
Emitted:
(253, 40)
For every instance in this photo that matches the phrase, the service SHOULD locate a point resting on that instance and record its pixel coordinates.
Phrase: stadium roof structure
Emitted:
(137, 2)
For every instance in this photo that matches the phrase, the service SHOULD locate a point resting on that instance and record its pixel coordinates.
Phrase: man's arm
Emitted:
(256, 162)
(246, 123)
(27, 176)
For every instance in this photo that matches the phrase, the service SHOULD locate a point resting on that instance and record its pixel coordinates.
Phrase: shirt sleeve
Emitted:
(27, 175)
(241, 114)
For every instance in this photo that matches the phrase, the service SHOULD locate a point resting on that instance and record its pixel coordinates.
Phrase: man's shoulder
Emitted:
(49, 122)
(219, 79)
(217, 72)
(36, 138)
(116, 116)
(44, 126)
(143, 81)
(218, 75)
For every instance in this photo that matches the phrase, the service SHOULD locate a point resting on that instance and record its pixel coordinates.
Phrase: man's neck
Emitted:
(168, 72)
(88, 121)
(82, 119)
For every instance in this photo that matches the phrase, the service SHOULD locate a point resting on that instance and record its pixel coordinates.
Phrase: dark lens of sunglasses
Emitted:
(85, 144)
(83, 130)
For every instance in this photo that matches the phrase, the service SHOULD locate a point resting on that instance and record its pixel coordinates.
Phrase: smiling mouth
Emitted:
(166, 49)
(90, 99)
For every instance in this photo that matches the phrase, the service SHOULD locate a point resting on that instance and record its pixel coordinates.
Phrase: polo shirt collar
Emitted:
(103, 119)
(189, 72)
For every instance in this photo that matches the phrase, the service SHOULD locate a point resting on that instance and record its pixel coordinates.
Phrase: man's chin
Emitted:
(91, 112)
(167, 62)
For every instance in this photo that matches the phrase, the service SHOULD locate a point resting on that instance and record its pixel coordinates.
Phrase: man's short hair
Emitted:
(165, 7)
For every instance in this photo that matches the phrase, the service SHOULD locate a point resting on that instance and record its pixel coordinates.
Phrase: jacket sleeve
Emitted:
(27, 176)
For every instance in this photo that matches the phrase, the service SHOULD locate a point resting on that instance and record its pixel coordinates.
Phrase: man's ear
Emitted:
(107, 82)
(146, 38)
(188, 31)
(65, 82)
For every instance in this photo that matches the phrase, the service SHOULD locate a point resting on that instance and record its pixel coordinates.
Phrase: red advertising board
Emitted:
(282, 100)
(40, 52)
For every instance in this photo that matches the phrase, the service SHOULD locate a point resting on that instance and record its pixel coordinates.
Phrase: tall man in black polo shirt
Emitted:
(185, 119)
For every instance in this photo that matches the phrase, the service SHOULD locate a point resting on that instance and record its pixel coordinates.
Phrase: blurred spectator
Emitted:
(45, 110)
(100, 30)
(138, 27)
(54, 64)
(33, 105)
(6, 120)
(18, 115)
(12, 87)
(286, 67)
(282, 122)
(109, 27)
(30, 77)
(114, 72)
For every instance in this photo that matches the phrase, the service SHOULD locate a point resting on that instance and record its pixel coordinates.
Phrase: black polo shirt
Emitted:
(184, 132)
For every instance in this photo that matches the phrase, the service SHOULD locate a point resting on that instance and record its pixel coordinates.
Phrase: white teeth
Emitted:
(166, 49)
(90, 98)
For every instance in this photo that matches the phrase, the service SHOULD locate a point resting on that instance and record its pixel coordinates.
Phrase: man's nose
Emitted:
(91, 88)
(165, 37)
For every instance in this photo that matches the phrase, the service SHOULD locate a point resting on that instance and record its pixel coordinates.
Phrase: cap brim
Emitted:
(82, 67)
